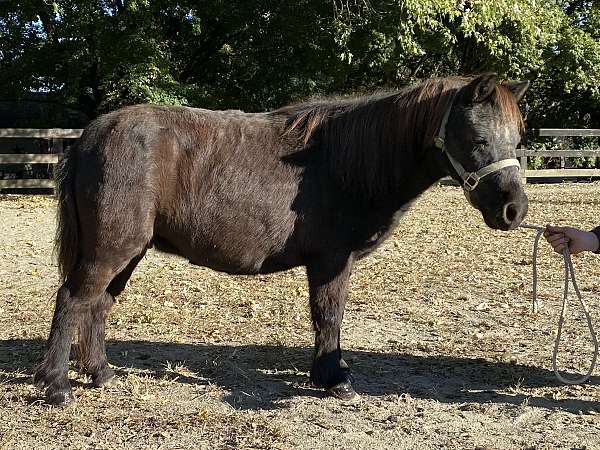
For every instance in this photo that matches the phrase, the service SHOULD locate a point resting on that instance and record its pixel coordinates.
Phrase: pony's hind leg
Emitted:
(91, 351)
(83, 289)
(52, 372)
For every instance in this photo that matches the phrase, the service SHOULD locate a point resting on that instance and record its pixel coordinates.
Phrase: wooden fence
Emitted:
(524, 154)
(56, 137)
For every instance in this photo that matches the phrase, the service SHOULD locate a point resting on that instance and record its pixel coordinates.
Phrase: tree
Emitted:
(260, 54)
(554, 44)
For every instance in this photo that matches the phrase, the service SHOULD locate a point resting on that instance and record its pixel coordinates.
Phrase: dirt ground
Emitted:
(439, 332)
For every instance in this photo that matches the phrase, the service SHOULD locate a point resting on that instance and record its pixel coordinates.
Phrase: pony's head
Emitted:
(477, 138)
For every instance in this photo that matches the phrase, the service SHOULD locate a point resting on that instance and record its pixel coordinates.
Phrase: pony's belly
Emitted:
(245, 266)
(230, 246)
(235, 256)
(279, 264)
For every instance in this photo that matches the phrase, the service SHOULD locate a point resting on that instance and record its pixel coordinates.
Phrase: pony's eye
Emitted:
(480, 143)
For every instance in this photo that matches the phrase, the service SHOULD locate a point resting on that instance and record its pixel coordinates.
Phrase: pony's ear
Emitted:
(518, 88)
(481, 88)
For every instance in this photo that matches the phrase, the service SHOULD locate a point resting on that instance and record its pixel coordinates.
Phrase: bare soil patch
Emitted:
(439, 332)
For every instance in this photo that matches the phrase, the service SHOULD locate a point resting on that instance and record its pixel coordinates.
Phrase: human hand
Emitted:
(577, 240)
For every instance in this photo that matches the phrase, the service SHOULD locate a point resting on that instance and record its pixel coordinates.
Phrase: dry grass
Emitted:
(439, 331)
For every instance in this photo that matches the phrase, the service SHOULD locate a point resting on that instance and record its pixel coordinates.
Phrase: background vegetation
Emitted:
(96, 55)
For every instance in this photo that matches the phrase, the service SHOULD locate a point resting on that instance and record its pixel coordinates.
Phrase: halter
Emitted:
(470, 180)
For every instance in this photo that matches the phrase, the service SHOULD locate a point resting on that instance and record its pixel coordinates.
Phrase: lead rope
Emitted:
(569, 274)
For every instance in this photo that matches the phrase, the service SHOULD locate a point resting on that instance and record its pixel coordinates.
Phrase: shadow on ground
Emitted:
(262, 376)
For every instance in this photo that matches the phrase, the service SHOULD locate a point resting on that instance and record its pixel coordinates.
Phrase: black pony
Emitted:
(318, 184)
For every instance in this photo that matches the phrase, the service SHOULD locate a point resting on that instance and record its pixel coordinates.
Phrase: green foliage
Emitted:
(416, 38)
(254, 55)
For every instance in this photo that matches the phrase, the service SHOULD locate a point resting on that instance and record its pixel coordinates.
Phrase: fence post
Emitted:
(523, 159)
(57, 145)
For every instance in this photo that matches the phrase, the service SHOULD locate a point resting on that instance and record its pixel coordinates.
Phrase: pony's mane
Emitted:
(365, 137)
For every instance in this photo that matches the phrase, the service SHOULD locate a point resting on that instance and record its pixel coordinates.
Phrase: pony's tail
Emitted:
(67, 231)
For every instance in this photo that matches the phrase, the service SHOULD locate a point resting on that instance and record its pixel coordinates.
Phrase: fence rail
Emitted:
(569, 153)
(34, 183)
(566, 132)
(57, 135)
(28, 158)
(44, 133)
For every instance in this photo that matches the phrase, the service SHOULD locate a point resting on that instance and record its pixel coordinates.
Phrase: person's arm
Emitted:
(596, 231)
(577, 240)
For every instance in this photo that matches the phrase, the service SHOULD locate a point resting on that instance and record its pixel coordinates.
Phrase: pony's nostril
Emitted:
(510, 212)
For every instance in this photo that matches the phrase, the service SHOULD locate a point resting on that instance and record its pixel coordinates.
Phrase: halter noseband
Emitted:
(470, 180)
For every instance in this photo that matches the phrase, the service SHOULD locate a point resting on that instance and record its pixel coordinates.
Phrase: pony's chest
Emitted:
(374, 228)
(374, 232)
(371, 243)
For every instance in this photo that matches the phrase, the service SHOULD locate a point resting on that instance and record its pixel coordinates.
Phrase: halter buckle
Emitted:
(470, 181)
(439, 142)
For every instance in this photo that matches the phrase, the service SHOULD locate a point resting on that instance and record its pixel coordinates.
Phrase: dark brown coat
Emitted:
(318, 184)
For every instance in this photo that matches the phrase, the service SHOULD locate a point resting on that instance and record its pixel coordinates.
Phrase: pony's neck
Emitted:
(378, 147)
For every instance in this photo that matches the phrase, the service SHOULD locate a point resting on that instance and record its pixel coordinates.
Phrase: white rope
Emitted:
(569, 274)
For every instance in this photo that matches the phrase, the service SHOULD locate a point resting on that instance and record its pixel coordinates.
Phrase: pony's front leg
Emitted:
(328, 284)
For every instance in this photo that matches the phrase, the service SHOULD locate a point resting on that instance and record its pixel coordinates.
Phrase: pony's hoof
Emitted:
(343, 391)
(59, 398)
(40, 378)
(102, 377)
